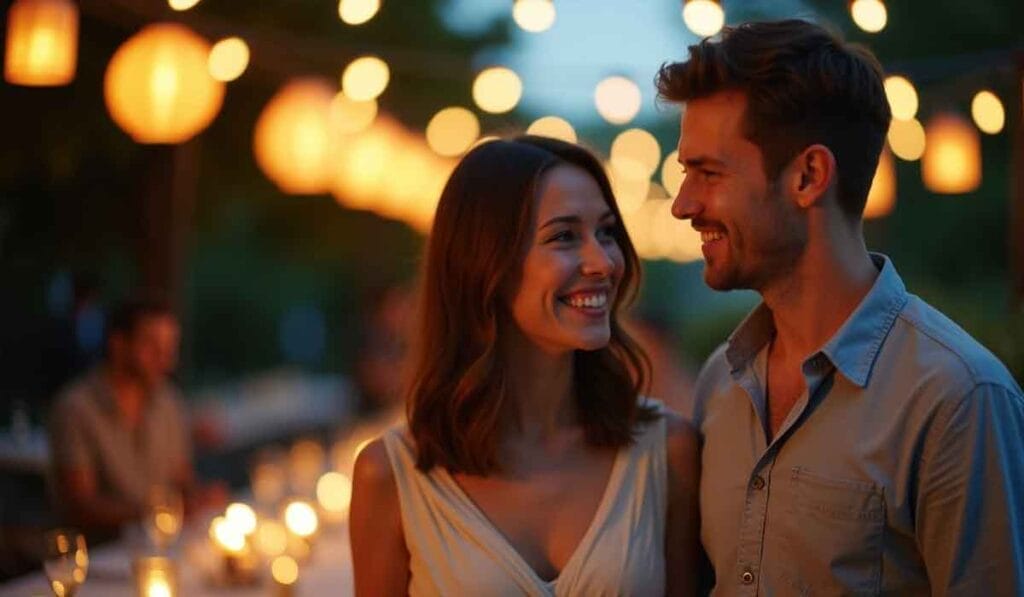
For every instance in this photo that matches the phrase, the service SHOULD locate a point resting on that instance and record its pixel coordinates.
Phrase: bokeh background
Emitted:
(285, 222)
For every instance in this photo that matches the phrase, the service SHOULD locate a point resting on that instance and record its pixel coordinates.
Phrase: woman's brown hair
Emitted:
(458, 391)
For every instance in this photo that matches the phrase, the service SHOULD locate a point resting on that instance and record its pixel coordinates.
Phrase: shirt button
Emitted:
(758, 483)
(747, 577)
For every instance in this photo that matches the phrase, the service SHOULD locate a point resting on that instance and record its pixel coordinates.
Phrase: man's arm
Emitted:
(76, 487)
(970, 506)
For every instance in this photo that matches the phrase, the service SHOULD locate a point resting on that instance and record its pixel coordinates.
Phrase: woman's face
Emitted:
(571, 267)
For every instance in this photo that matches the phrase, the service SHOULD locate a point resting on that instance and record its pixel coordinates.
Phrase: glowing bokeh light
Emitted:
(617, 99)
(534, 16)
(882, 196)
(349, 116)
(357, 12)
(334, 491)
(554, 127)
(271, 538)
(907, 139)
(42, 43)
(988, 112)
(452, 131)
(285, 570)
(365, 78)
(703, 17)
(292, 137)
(301, 518)
(181, 5)
(228, 59)
(869, 15)
(635, 151)
(672, 174)
(497, 90)
(951, 163)
(902, 97)
(242, 517)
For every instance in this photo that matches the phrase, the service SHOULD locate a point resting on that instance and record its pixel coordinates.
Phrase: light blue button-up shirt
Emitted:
(899, 471)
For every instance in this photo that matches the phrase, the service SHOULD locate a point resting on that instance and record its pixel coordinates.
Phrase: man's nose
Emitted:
(685, 206)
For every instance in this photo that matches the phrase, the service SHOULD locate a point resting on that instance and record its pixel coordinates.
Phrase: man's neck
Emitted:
(811, 303)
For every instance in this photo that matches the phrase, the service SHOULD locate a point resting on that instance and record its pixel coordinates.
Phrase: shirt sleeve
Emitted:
(970, 507)
(69, 443)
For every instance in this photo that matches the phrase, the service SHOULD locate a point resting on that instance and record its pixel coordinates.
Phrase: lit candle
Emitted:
(155, 577)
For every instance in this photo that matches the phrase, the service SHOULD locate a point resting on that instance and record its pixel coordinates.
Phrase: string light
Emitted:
(534, 16)
(703, 17)
(902, 97)
(988, 112)
(365, 78)
(907, 139)
(497, 90)
(228, 59)
(869, 15)
(554, 127)
(617, 99)
(357, 12)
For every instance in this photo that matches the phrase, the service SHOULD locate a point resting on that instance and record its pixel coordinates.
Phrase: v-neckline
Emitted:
(499, 537)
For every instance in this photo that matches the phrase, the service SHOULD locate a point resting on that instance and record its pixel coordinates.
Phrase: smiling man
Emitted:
(855, 440)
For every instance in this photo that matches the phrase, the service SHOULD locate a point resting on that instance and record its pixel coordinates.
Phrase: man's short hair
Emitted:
(127, 315)
(803, 85)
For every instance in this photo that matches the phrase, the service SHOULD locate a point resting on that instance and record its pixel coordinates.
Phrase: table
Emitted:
(328, 572)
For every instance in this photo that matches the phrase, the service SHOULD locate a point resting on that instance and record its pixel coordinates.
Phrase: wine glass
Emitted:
(66, 561)
(164, 516)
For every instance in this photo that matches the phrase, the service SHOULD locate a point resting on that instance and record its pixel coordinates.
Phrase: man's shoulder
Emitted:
(947, 352)
(77, 396)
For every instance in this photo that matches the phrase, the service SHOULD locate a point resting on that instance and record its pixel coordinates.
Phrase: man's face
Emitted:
(152, 349)
(751, 233)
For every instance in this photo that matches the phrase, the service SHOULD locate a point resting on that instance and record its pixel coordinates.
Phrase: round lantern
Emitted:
(157, 86)
(292, 141)
(951, 163)
(42, 42)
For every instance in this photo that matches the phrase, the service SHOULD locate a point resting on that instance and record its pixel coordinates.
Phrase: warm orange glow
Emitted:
(497, 90)
(672, 174)
(349, 116)
(988, 112)
(361, 164)
(870, 15)
(882, 196)
(952, 161)
(42, 42)
(228, 59)
(157, 87)
(292, 137)
(452, 131)
(357, 12)
(907, 139)
(554, 127)
(365, 78)
(902, 97)
(285, 570)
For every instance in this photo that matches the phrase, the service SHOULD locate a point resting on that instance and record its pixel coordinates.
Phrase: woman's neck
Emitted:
(540, 390)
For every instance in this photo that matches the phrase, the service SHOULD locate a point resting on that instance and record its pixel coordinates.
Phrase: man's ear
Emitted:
(810, 175)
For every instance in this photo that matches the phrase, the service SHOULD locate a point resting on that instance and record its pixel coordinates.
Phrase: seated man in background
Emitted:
(121, 430)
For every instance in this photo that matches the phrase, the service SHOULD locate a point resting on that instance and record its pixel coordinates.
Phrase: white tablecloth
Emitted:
(328, 572)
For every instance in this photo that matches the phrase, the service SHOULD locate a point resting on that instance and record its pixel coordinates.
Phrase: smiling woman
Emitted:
(530, 463)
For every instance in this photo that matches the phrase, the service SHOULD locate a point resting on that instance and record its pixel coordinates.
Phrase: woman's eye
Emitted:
(606, 232)
(563, 236)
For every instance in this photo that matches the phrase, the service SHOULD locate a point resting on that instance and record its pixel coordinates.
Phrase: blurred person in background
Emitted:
(121, 429)
(530, 463)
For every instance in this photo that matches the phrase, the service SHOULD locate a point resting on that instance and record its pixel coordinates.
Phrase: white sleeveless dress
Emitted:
(455, 550)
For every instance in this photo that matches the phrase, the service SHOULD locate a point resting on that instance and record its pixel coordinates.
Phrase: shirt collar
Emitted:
(854, 347)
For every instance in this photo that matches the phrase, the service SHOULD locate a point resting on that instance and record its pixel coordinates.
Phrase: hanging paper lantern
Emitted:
(42, 42)
(157, 86)
(952, 159)
(292, 141)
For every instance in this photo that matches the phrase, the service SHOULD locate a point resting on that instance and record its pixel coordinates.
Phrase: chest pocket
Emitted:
(835, 534)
